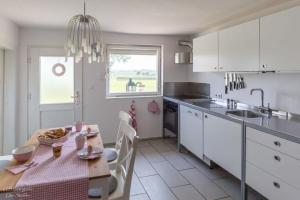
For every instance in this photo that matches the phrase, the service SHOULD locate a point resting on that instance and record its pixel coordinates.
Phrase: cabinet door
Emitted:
(239, 47)
(191, 130)
(205, 53)
(280, 41)
(222, 143)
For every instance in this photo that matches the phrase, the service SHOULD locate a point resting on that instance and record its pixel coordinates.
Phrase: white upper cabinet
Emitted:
(239, 47)
(205, 53)
(280, 41)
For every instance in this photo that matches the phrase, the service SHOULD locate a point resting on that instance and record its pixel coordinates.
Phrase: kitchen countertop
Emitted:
(283, 128)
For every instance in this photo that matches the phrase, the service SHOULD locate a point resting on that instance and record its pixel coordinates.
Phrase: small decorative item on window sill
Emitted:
(133, 115)
(153, 107)
(234, 81)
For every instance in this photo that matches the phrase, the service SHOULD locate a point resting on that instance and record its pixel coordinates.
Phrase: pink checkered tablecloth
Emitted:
(63, 178)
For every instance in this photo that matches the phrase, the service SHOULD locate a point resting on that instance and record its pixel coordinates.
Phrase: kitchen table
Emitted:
(98, 169)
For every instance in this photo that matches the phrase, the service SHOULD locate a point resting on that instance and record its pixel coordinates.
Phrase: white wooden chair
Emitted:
(111, 154)
(120, 181)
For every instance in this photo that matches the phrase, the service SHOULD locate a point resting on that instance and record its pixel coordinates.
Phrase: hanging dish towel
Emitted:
(153, 107)
(133, 115)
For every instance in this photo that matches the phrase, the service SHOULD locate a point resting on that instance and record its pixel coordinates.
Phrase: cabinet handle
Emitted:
(277, 185)
(221, 67)
(205, 116)
(277, 158)
(277, 143)
(264, 66)
(190, 111)
(196, 114)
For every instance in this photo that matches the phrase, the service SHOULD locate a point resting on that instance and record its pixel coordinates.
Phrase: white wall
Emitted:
(9, 39)
(97, 109)
(281, 90)
(10, 100)
(9, 34)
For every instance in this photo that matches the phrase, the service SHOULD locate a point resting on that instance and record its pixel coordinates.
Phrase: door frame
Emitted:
(29, 86)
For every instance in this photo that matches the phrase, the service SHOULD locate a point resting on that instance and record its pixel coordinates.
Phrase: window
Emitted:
(56, 80)
(133, 70)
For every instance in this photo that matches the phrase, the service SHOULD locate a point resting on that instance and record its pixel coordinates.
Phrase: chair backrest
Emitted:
(124, 119)
(125, 162)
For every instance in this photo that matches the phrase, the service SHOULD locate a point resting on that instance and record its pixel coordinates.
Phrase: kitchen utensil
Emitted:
(234, 81)
(238, 82)
(23, 154)
(243, 85)
(226, 83)
(230, 82)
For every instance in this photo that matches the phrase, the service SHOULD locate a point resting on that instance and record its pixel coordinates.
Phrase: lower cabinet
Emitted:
(222, 143)
(191, 130)
(272, 167)
(269, 186)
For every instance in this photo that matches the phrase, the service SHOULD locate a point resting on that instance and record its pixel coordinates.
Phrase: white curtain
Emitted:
(1, 98)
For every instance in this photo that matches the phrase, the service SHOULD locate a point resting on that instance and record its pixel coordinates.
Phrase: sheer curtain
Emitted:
(1, 98)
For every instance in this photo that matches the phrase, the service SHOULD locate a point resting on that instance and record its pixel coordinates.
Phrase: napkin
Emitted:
(21, 168)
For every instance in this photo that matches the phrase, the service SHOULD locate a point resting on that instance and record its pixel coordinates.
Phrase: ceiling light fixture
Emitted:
(84, 37)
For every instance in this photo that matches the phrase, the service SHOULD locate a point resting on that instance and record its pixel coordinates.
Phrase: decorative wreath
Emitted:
(58, 69)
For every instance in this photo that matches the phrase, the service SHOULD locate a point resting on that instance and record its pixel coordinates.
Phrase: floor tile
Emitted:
(232, 187)
(139, 197)
(215, 173)
(136, 186)
(203, 184)
(144, 144)
(161, 146)
(157, 189)
(142, 167)
(187, 192)
(151, 154)
(169, 174)
(177, 161)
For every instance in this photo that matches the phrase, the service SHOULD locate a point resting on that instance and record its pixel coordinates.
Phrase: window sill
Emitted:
(133, 97)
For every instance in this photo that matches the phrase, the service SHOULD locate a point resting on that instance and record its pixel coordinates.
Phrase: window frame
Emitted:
(134, 48)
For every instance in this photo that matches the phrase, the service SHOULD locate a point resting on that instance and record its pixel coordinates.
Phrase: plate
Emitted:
(96, 153)
(90, 134)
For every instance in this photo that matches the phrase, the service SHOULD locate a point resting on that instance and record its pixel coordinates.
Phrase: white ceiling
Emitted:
(134, 16)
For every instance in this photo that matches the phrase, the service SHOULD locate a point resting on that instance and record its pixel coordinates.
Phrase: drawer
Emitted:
(190, 111)
(269, 186)
(275, 163)
(276, 143)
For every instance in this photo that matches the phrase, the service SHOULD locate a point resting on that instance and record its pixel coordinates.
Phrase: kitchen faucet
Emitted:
(262, 94)
(262, 108)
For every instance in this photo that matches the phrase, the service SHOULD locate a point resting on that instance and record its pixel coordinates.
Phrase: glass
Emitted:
(56, 85)
(133, 73)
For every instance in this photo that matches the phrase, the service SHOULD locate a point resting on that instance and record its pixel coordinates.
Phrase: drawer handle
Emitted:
(277, 185)
(277, 158)
(277, 143)
(190, 111)
(196, 114)
(205, 116)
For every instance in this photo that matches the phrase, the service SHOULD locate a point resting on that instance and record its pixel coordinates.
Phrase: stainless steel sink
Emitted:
(244, 113)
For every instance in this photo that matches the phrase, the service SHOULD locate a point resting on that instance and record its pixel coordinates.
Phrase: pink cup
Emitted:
(78, 126)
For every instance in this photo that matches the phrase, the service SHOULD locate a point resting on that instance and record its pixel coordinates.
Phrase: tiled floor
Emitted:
(162, 173)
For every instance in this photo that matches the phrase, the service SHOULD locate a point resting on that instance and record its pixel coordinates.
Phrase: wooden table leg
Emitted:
(104, 186)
